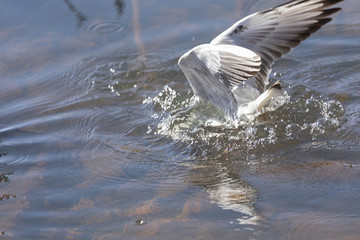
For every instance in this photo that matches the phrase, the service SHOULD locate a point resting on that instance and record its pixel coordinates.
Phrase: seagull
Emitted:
(232, 70)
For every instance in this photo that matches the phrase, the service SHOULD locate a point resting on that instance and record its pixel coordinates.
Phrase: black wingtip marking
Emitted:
(324, 21)
(328, 12)
(331, 2)
(321, 22)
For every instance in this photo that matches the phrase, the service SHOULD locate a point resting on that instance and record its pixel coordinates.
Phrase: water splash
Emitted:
(306, 116)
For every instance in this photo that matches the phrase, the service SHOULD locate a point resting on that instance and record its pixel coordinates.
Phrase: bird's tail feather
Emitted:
(274, 91)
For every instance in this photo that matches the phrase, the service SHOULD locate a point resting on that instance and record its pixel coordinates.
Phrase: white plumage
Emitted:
(233, 69)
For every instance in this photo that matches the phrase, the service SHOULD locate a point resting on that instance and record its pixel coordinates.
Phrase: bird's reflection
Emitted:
(236, 195)
(228, 191)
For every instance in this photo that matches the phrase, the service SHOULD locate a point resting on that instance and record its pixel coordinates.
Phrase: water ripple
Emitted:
(104, 110)
(104, 27)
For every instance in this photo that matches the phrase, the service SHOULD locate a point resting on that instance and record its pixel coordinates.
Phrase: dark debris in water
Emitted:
(140, 222)
(4, 176)
(6, 196)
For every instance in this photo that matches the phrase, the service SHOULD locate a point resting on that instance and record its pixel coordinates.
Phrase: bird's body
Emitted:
(233, 69)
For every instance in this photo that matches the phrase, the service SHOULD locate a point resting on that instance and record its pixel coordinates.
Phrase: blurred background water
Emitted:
(100, 137)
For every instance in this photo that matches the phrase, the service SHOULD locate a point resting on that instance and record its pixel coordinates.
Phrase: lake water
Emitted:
(100, 137)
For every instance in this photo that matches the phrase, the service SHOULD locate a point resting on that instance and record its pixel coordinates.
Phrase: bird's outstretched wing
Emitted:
(274, 32)
(212, 71)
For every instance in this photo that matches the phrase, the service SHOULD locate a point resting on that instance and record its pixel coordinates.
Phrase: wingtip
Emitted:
(328, 12)
(334, 1)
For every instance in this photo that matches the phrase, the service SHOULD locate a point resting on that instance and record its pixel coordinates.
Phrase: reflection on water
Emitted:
(113, 145)
(230, 193)
(79, 16)
(119, 6)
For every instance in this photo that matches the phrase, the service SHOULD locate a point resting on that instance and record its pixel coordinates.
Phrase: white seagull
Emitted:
(233, 69)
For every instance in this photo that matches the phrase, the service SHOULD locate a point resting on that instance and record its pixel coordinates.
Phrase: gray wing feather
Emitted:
(237, 68)
(213, 70)
(274, 32)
